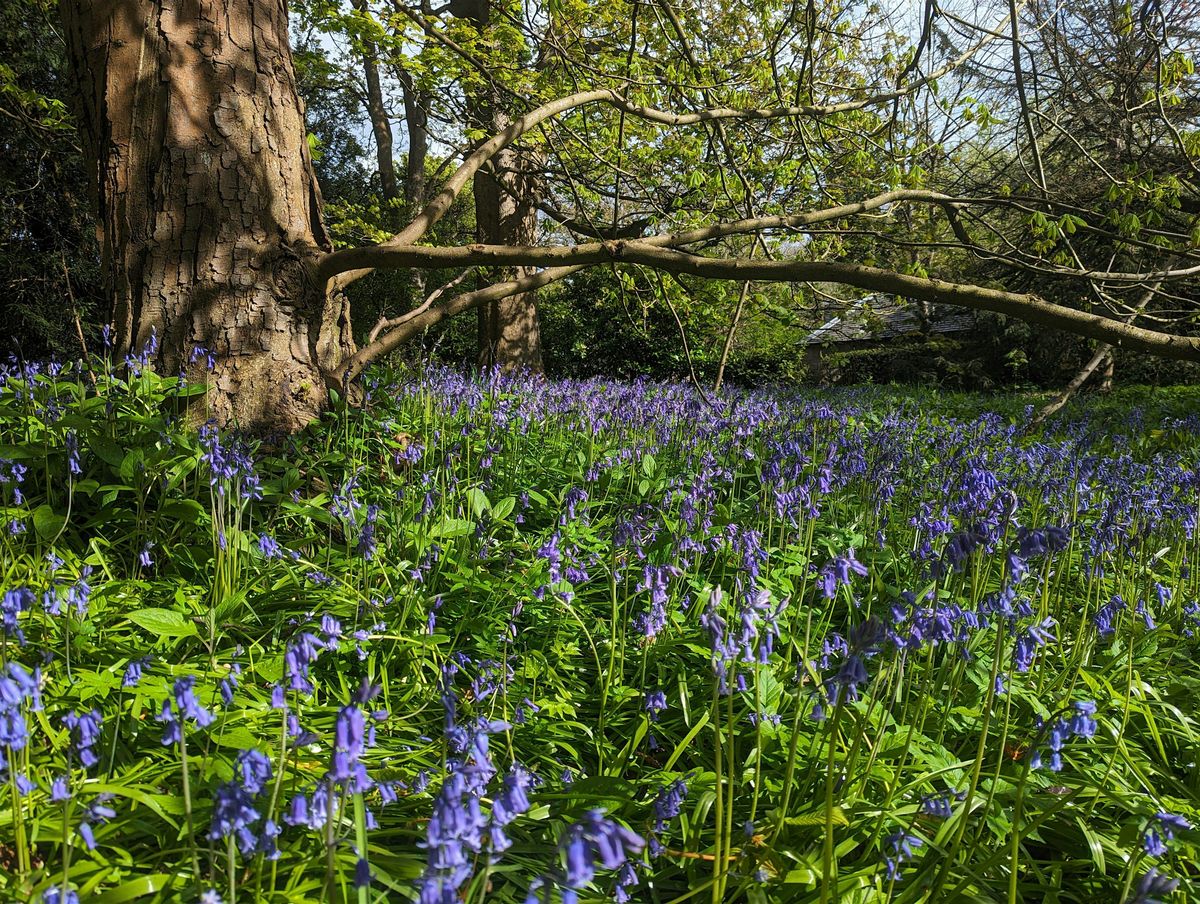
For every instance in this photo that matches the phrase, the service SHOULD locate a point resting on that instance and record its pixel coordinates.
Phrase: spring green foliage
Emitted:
(620, 589)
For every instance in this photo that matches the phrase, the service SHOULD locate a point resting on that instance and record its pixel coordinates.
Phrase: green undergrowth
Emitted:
(501, 638)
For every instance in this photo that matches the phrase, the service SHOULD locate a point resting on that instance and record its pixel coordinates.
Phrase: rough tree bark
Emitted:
(208, 209)
(506, 196)
(505, 208)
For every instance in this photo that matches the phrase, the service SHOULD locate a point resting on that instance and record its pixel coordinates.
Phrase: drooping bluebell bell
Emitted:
(18, 688)
(941, 805)
(253, 767)
(1143, 610)
(234, 815)
(1058, 731)
(187, 708)
(85, 730)
(57, 895)
(902, 847)
(1082, 723)
(304, 649)
(135, 671)
(269, 547)
(596, 838)
(1162, 830)
(1106, 614)
(367, 542)
(79, 594)
(12, 475)
(655, 703)
(512, 802)
(74, 469)
(668, 803)
(362, 873)
(60, 791)
(838, 571)
(1152, 888)
(98, 812)
(350, 743)
(1029, 641)
(12, 604)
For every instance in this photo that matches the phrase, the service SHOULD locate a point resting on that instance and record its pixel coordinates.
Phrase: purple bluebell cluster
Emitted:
(186, 709)
(637, 609)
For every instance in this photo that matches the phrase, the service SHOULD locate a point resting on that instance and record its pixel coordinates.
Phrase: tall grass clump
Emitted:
(507, 639)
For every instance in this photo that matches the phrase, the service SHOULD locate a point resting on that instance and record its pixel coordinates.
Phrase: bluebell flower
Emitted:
(523, 709)
(1147, 616)
(1161, 831)
(85, 730)
(60, 792)
(668, 803)
(941, 805)
(135, 671)
(51, 602)
(838, 572)
(597, 838)
(234, 814)
(350, 742)
(902, 846)
(1152, 887)
(362, 873)
(254, 769)
(1106, 614)
(17, 688)
(366, 538)
(97, 812)
(269, 547)
(210, 364)
(513, 799)
(656, 702)
(73, 466)
(12, 604)
(79, 594)
(1028, 642)
(1082, 724)
(187, 707)
(57, 895)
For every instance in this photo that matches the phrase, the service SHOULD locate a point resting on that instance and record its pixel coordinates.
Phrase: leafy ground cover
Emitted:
(506, 639)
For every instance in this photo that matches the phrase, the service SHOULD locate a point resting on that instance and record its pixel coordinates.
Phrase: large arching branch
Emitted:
(561, 261)
(393, 253)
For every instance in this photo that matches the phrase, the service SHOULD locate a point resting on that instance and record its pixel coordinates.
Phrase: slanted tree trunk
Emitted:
(416, 123)
(381, 125)
(209, 212)
(505, 214)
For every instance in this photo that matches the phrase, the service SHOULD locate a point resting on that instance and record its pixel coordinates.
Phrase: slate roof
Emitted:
(879, 317)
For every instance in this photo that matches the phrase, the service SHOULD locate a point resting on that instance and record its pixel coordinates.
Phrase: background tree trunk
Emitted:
(381, 125)
(209, 212)
(505, 214)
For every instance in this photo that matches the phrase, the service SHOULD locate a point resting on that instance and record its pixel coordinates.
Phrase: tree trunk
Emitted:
(416, 122)
(505, 214)
(209, 212)
(381, 125)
